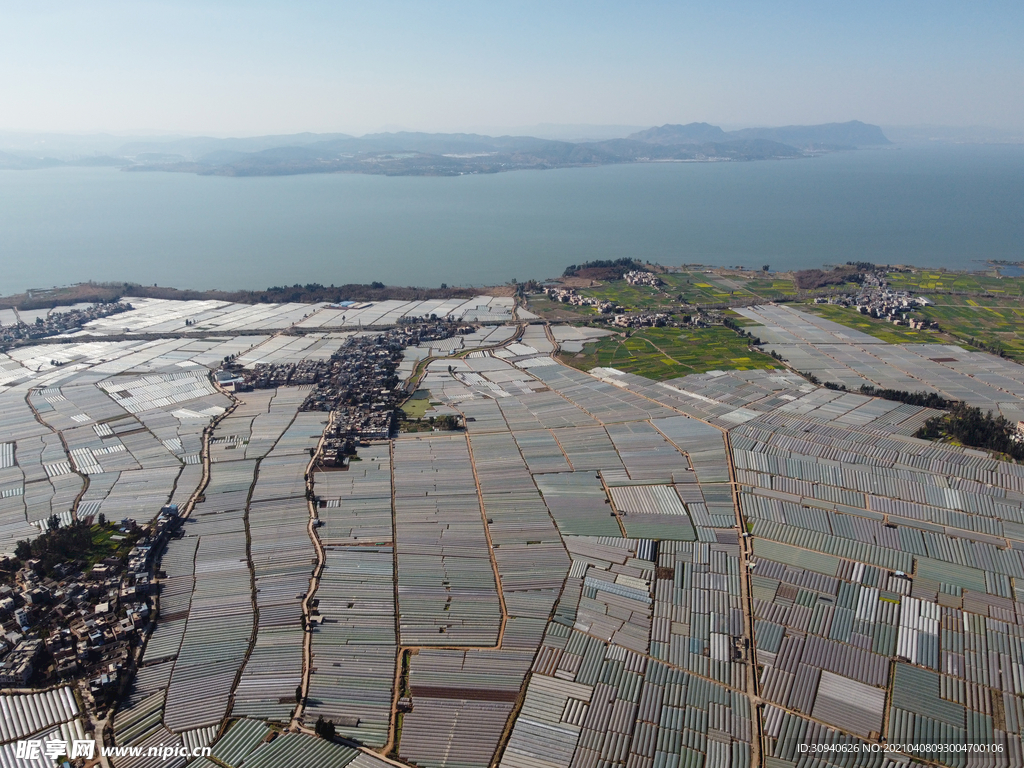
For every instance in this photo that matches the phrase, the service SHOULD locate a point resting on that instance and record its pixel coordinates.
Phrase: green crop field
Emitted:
(995, 324)
(973, 300)
(965, 282)
(770, 286)
(630, 296)
(704, 288)
(541, 305)
(997, 327)
(690, 287)
(665, 353)
(417, 405)
(700, 288)
(880, 329)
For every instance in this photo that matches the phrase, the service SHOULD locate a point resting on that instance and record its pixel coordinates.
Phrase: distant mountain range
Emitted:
(828, 136)
(18, 161)
(450, 154)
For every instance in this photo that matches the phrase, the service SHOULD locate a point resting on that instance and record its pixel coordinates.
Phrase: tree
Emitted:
(102, 519)
(23, 550)
(298, 694)
(324, 728)
(447, 422)
(971, 427)
(53, 522)
(766, 267)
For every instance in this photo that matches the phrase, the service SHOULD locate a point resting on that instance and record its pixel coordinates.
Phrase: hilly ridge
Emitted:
(441, 154)
(847, 135)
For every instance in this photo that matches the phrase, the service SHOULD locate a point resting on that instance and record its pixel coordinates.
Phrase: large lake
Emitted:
(951, 206)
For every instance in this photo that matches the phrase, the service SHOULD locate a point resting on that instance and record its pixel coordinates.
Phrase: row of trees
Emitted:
(734, 326)
(924, 399)
(325, 729)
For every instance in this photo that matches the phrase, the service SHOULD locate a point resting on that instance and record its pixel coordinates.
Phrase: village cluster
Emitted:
(358, 383)
(71, 621)
(878, 300)
(54, 323)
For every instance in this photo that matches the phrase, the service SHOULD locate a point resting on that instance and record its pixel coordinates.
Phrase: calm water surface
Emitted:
(943, 206)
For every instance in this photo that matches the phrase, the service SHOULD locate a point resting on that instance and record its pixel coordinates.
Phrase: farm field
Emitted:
(600, 564)
(997, 327)
(697, 288)
(965, 282)
(417, 405)
(769, 286)
(998, 324)
(690, 287)
(665, 353)
(541, 305)
(880, 329)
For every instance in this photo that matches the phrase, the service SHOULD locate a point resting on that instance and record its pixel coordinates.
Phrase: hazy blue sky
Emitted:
(260, 67)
